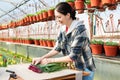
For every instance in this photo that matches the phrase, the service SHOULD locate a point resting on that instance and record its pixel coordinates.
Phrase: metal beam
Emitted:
(7, 14)
(44, 3)
(25, 1)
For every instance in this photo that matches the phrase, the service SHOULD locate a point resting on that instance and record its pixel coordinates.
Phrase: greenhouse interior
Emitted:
(85, 33)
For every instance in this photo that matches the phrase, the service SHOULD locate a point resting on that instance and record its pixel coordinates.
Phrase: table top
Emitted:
(23, 71)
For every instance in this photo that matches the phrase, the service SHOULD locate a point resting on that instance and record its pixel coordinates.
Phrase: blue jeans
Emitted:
(90, 77)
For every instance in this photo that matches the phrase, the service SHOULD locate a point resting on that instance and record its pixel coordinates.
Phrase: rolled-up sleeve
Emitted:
(57, 46)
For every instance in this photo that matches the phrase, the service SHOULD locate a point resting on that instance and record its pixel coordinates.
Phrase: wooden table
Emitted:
(26, 74)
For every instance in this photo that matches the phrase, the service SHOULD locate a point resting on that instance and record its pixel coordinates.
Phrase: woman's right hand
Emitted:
(36, 61)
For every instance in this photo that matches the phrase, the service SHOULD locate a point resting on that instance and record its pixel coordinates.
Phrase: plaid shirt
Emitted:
(76, 45)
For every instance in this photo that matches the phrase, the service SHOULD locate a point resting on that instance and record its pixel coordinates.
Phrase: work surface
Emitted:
(23, 71)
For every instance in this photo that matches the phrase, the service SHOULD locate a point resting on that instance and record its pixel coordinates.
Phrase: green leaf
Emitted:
(69, 0)
(87, 1)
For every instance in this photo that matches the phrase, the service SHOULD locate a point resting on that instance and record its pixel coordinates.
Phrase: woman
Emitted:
(72, 41)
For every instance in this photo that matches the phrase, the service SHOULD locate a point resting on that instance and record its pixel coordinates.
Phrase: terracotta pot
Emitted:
(50, 13)
(71, 4)
(117, 0)
(34, 19)
(45, 43)
(45, 15)
(106, 2)
(96, 48)
(95, 3)
(89, 8)
(41, 16)
(53, 42)
(36, 42)
(112, 7)
(119, 50)
(41, 42)
(101, 8)
(111, 50)
(37, 18)
(49, 43)
(79, 6)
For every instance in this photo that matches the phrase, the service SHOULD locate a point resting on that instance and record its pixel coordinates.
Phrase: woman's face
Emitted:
(60, 18)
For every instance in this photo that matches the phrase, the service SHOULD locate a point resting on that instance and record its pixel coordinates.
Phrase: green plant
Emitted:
(87, 1)
(30, 14)
(41, 11)
(97, 42)
(110, 43)
(51, 8)
(70, 0)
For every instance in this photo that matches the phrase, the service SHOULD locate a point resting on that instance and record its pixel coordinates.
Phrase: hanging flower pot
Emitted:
(111, 48)
(79, 6)
(95, 3)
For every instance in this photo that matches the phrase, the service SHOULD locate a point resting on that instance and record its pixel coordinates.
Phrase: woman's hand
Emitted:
(47, 60)
(37, 60)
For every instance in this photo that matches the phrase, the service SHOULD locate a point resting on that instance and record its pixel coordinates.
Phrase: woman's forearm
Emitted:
(60, 59)
(50, 54)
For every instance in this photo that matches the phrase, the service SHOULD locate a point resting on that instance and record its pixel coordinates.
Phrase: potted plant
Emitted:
(45, 14)
(49, 42)
(96, 46)
(71, 3)
(95, 3)
(88, 6)
(51, 13)
(79, 6)
(111, 48)
(36, 41)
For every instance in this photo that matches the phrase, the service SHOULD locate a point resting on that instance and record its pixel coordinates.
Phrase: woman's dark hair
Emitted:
(64, 8)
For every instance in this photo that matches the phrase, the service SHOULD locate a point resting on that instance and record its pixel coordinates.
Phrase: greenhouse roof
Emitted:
(16, 9)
